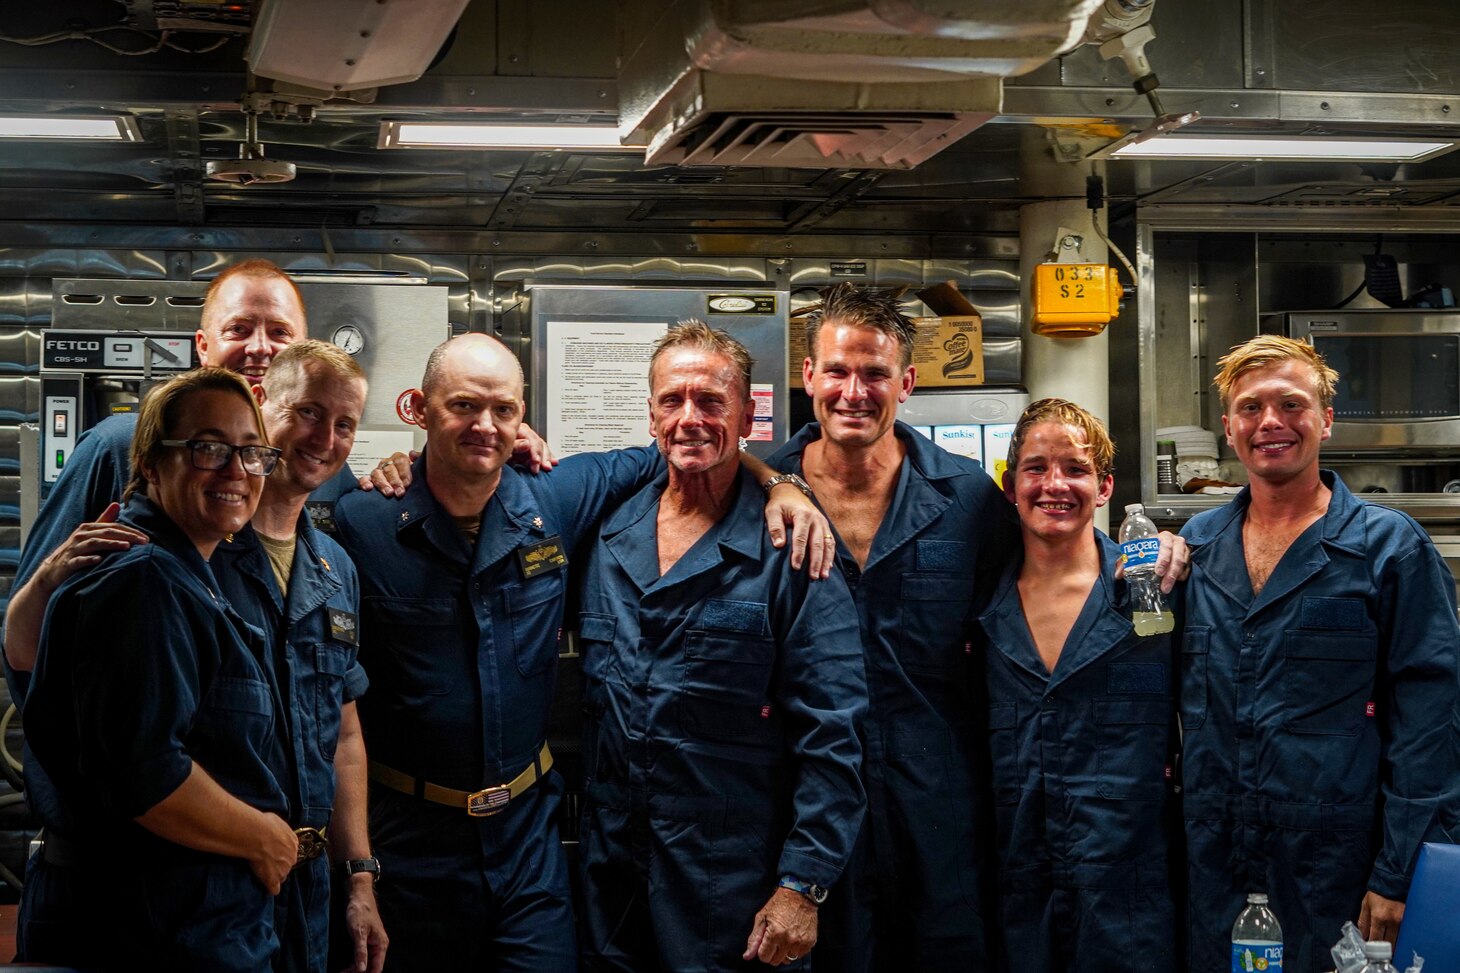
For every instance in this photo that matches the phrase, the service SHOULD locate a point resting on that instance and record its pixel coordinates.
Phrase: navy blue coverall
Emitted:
(720, 738)
(1080, 761)
(144, 670)
(461, 646)
(311, 638)
(1319, 721)
(911, 898)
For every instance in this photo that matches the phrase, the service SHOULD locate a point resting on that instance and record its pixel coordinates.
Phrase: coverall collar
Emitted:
(148, 517)
(1100, 626)
(916, 502)
(312, 581)
(1216, 543)
(510, 517)
(631, 534)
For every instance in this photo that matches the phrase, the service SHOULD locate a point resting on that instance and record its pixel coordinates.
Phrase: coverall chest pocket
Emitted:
(410, 634)
(1195, 648)
(1004, 751)
(726, 687)
(240, 708)
(1131, 751)
(536, 607)
(1327, 679)
(331, 662)
(934, 621)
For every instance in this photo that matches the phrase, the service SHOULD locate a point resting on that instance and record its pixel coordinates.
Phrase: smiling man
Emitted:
(1082, 836)
(721, 693)
(300, 589)
(1318, 709)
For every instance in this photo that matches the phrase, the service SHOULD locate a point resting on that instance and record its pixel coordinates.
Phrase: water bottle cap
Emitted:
(1379, 949)
(1135, 508)
(1257, 898)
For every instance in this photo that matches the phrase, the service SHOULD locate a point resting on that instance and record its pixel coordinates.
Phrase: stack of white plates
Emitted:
(1196, 452)
(1191, 441)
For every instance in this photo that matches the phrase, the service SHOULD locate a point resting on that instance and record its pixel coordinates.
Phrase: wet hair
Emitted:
(164, 408)
(288, 366)
(1268, 349)
(862, 307)
(258, 269)
(694, 333)
(1066, 413)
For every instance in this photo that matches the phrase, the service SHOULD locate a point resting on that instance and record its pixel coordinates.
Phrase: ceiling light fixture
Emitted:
(593, 136)
(1316, 148)
(73, 128)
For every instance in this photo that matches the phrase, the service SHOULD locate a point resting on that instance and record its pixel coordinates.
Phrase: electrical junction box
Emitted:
(1074, 300)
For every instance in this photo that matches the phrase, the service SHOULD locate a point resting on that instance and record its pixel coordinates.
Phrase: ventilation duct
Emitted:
(347, 45)
(876, 84)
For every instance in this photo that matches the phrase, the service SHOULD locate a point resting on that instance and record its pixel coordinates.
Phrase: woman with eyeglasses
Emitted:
(158, 756)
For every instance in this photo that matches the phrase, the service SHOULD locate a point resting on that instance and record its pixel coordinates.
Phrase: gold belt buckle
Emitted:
(312, 844)
(488, 801)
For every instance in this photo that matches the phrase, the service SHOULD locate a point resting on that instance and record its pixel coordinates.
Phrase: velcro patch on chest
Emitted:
(344, 626)
(1135, 678)
(1332, 614)
(321, 515)
(944, 556)
(735, 616)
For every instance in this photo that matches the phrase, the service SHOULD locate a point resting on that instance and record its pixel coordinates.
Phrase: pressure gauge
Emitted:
(349, 339)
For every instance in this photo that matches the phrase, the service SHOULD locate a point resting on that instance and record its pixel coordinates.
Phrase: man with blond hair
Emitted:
(1082, 841)
(1318, 709)
(299, 587)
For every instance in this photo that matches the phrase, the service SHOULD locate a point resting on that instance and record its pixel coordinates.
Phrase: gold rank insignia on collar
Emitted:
(323, 561)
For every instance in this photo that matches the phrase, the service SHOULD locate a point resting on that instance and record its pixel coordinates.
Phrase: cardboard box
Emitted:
(948, 352)
(949, 348)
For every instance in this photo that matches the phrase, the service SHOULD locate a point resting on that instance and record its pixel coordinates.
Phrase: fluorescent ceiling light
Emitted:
(600, 136)
(1261, 147)
(102, 128)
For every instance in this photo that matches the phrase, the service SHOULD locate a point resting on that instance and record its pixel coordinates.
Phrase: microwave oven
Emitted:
(1399, 376)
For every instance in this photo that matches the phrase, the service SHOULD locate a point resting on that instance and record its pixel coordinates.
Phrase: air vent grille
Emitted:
(852, 140)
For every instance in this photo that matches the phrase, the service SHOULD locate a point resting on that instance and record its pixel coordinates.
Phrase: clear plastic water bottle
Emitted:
(1140, 544)
(1379, 954)
(1257, 939)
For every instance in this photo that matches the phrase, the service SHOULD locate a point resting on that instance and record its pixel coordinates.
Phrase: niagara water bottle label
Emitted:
(1141, 552)
(1257, 958)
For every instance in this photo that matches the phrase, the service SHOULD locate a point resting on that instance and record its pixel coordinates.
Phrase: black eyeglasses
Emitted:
(208, 455)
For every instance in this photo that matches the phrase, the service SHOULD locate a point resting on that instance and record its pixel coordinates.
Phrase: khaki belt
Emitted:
(479, 804)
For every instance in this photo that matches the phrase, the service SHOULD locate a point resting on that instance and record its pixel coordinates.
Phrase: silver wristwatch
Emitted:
(790, 478)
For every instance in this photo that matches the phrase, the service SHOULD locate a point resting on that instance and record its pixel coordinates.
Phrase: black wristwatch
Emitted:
(354, 866)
